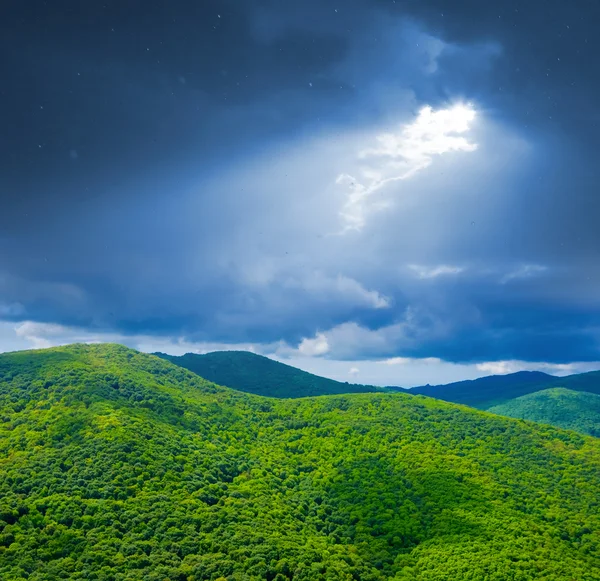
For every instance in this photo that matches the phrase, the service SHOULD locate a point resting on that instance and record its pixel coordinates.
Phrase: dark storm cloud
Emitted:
(168, 168)
(125, 84)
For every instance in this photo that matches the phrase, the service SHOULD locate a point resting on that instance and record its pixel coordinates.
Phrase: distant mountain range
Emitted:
(486, 392)
(260, 375)
(252, 373)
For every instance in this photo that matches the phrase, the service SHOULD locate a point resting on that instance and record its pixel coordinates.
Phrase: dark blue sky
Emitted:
(346, 181)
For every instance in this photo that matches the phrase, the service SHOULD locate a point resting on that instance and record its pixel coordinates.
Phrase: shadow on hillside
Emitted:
(374, 499)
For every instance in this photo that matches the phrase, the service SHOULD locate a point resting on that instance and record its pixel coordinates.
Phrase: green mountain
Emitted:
(117, 465)
(486, 392)
(565, 408)
(589, 382)
(260, 375)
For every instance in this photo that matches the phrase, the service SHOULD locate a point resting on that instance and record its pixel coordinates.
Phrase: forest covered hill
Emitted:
(565, 408)
(260, 375)
(117, 465)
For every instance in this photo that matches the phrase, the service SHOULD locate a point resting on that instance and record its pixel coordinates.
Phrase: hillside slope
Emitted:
(564, 408)
(260, 375)
(116, 465)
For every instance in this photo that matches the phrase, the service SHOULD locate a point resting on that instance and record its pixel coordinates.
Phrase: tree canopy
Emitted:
(565, 408)
(117, 465)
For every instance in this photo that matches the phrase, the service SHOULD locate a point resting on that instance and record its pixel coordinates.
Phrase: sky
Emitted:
(388, 192)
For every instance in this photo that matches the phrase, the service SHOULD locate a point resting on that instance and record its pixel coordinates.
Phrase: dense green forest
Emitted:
(493, 390)
(565, 408)
(260, 375)
(117, 465)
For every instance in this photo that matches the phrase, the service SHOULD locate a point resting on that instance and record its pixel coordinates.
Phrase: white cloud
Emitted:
(524, 271)
(411, 360)
(314, 347)
(410, 372)
(340, 286)
(373, 372)
(43, 335)
(497, 367)
(396, 361)
(30, 334)
(399, 156)
(425, 272)
(315, 284)
(350, 340)
(399, 371)
(512, 366)
(349, 286)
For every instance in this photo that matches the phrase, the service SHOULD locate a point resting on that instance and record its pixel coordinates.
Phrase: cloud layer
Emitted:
(396, 371)
(151, 190)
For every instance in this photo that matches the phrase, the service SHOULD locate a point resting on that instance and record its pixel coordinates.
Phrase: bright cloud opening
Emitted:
(399, 156)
